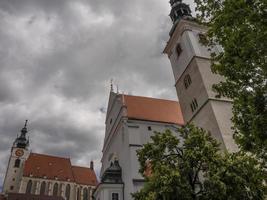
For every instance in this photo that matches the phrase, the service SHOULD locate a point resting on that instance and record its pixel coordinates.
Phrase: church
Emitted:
(38, 176)
(131, 120)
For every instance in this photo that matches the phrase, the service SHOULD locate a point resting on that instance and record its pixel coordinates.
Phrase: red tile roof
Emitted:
(84, 176)
(158, 110)
(53, 167)
(39, 165)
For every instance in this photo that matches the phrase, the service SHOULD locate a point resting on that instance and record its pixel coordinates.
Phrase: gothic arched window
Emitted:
(29, 187)
(42, 190)
(67, 192)
(85, 194)
(17, 163)
(78, 194)
(55, 189)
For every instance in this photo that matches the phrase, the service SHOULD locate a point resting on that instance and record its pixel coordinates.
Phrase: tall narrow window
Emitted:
(17, 163)
(42, 190)
(78, 194)
(194, 105)
(178, 50)
(85, 194)
(115, 196)
(55, 189)
(29, 187)
(67, 192)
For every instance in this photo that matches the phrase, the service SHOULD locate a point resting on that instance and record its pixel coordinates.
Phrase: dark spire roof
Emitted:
(22, 141)
(113, 173)
(179, 10)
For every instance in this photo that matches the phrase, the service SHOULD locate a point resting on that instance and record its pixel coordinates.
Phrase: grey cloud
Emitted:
(57, 58)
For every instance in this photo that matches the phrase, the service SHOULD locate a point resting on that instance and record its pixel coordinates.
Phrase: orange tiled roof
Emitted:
(152, 109)
(39, 165)
(52, 167)
(85, 176)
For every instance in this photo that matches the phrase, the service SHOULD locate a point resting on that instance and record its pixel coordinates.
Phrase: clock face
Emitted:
(19, 152)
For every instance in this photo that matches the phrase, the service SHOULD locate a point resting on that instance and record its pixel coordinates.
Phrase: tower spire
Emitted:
(22, 141)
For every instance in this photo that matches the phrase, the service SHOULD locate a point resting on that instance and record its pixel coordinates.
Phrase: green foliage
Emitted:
(193, 167)
(240, 27)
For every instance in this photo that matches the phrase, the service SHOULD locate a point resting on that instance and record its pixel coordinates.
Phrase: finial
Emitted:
(26, 122)
(111, 85)
(24, 129)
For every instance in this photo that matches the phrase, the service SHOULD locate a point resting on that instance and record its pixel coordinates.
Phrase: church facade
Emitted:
(42, 176)
(131, 121)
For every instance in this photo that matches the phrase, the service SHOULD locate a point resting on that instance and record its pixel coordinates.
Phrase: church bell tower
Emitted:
(190, 62)
(19, 153)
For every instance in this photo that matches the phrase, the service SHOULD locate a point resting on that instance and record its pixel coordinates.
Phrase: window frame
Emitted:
(17, 163)
(115, 197)
(187, 81)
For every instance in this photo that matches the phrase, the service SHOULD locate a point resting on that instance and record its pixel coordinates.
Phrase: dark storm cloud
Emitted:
(56, 61)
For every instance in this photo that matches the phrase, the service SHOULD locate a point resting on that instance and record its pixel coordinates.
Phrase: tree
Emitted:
(240, 27)
(193, 167)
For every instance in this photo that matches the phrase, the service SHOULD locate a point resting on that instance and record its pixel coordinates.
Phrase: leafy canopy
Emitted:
(193, 167)
(240, 27)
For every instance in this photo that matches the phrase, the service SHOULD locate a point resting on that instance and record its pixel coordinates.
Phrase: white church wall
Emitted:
(50, 185)
(140, 133)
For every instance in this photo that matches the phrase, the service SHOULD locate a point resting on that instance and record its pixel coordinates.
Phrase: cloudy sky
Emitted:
(56, 61)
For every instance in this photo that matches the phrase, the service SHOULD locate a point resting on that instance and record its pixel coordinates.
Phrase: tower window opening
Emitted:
(187, 81)
(115, 196)
(11, 187)
(149, 128)
(185, 12)
(17, 163)
(194, 105)
(179, 13)
(178, 50)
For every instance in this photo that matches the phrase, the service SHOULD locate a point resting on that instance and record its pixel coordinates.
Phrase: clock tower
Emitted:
(191, 63)
(19, 153)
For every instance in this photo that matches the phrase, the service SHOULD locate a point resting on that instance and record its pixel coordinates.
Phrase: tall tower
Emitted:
(191, 63)
(19, 153)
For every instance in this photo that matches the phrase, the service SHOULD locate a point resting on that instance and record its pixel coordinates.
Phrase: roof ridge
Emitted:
(150, 98)
(47, 155)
